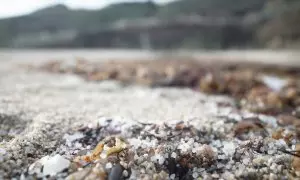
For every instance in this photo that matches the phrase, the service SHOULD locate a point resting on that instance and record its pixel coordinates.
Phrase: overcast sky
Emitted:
(10, 8)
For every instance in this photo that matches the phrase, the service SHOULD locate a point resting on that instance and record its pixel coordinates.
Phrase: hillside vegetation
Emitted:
(280, 18)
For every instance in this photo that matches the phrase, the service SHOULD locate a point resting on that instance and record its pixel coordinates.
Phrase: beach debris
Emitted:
(239, 82)
(207, 154)
(291, 93)
(255, 88)
(53, 66)
(263, 100)
(212, 83)
(284, 134)
(246, 125)
(103, 75)
(105, 148)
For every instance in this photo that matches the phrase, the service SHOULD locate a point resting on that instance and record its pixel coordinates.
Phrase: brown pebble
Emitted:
(290, 93)
(247, 125)
(273, 99)
(179, 126)
(277, 134)
(296, 160)
(212, 83)
(286, 120)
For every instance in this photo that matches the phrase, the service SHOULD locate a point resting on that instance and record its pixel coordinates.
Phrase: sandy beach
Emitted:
(40, 110)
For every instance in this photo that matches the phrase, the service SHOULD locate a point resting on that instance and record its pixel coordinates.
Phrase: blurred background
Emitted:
(150, 24)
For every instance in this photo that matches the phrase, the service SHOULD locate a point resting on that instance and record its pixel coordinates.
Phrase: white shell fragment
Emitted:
(55, 165)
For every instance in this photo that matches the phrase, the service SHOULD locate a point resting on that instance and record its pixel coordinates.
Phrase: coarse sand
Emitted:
(40, 112)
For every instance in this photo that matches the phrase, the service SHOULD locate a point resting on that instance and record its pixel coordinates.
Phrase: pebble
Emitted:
(275, 83)
(125, 173)
(174, 155)
(116, 172)
(70, 138)
(108, 166)
(54, 165)
(229, 148)
(195, 175)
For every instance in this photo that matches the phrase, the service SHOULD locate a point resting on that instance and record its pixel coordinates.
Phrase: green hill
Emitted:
(60, 18)
(211, 7)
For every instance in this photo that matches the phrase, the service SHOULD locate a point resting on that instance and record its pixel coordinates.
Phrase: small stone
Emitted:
(174, 155)
(108, 165)
(260, 160)
(215, 176)
(125, 173)
(207, 154)
(195, 175)
(116, 172)
(246, 161)
(229, 148)
(228, 175)
(79, 174)
(70, 138)
(273, 177)
(274, 82)
(247, 125)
